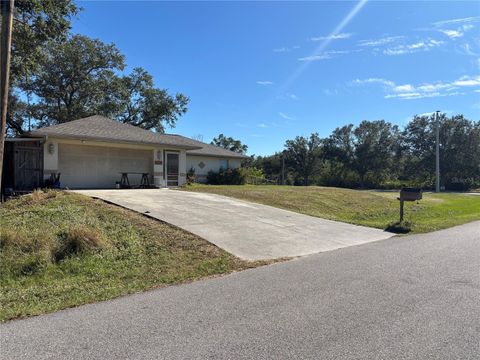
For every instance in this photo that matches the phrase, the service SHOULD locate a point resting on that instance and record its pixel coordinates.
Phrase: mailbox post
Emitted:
(408, 194)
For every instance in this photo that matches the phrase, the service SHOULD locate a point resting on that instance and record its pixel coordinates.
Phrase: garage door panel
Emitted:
(85, 166)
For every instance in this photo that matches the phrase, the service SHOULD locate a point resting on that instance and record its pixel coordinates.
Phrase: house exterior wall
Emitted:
(95, 164)
(210, 163)
(50, 157)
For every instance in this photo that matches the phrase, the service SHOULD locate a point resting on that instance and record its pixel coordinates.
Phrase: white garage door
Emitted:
(83, 166)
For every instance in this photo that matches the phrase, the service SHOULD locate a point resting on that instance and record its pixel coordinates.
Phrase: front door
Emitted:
(172, 169)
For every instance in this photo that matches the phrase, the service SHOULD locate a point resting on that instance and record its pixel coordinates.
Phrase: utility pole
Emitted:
(437, 152)
(6, 11)
(283, 169)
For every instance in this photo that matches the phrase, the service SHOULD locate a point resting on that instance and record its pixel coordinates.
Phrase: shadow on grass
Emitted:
(399, 227)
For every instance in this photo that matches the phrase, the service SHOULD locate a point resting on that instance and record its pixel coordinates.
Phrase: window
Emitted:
(223, 164)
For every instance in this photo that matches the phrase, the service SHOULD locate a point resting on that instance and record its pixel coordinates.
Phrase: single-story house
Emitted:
(96, 151)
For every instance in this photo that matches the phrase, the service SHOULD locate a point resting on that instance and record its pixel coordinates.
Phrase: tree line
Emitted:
(58, 76)
(378, 154)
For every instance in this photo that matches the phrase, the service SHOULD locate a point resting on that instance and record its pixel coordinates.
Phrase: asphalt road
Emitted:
(415, 297)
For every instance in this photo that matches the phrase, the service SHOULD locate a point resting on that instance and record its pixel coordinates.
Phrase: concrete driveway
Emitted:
(247, 230)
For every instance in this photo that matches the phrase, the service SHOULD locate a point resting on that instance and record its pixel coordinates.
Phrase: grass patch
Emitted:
(369, 208)
(59, 250)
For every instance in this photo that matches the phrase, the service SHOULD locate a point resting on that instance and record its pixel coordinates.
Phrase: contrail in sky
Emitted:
(304, 65)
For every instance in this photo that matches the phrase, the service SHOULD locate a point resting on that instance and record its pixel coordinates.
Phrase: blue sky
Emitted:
(265, 72)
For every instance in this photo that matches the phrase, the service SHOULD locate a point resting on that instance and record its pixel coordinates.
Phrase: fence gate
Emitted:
(28, 165)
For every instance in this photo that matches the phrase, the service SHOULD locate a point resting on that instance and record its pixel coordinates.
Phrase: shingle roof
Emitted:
(212, 150)
(100, 128)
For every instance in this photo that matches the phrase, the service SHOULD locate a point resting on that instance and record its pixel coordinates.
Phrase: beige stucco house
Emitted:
(95, 152)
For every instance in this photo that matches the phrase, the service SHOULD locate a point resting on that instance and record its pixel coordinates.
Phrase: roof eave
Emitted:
(112, 141)
(234, 156)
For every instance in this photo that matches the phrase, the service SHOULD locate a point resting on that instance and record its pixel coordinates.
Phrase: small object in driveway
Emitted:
(54, 181)
(124, 183)
(117, 184)
(408, 194)
(145, 182)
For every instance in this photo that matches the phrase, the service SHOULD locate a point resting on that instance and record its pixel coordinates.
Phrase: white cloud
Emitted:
(452, 34)
(381, 81)
(339, 36)
(315, 57)
(467, 82)
(326, 55)
(467, 50)
(403, 88)
(424, 45)
(262, 125)
(458, 33)
(330, 92)
(285, 49)
(456, 28)
(265, 82)
(285, 116)
(457, 21)
(288, 95)
(424, 90)
(381, 41)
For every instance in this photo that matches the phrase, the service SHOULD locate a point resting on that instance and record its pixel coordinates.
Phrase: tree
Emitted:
(339, 158)
(459, 150)
(230, 143)
(36, 22)
(340, 147)
(377, 154)
(271, 165)
(375, 148)
(147, 107)
(303, 156)
(79, 77)
(418, 148)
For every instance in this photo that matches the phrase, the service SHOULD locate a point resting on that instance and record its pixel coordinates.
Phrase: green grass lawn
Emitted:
(59, 250)
(369, 208)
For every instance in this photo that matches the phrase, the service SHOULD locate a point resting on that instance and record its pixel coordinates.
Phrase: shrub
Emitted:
(226, 177)
(78, 240)
(191, 178)
(253, 175)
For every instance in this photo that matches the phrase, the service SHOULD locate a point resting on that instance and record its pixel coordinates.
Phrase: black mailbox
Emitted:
(410, 194)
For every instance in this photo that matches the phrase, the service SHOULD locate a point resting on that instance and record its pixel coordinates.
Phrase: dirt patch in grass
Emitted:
(60, 249)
